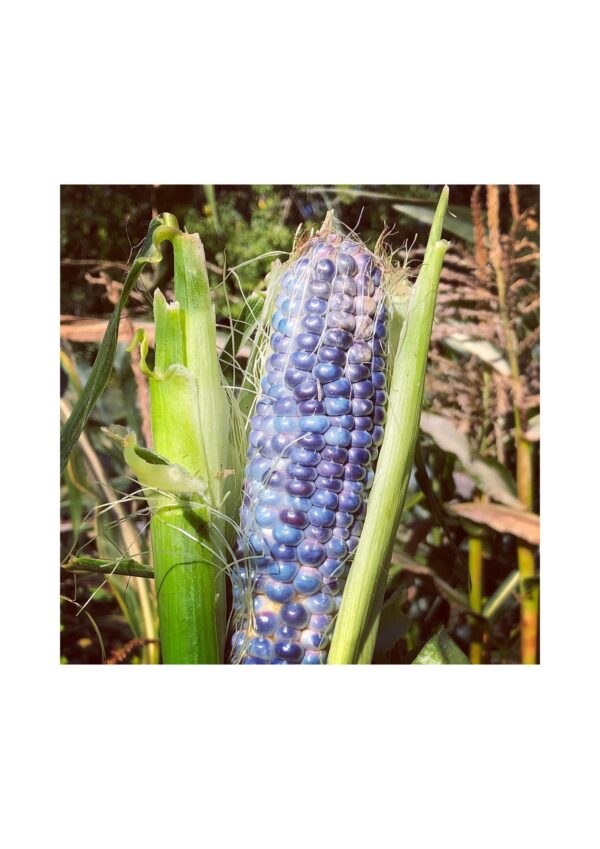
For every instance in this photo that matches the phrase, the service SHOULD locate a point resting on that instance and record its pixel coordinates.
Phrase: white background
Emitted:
(306, 92)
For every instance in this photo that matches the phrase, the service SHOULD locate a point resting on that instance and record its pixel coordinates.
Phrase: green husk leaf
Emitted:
(161, 228)
(357, 621)
(441, 649)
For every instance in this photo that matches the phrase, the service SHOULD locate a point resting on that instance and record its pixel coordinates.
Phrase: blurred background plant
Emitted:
(465, 563)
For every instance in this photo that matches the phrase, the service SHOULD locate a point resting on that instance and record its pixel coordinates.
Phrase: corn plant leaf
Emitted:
(459, 226)
(480, 348)
(502, 519)
(441, 649)
(490, 476)
(150, 252)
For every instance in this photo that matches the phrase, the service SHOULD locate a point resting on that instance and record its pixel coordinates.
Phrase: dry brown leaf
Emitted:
(502, 519)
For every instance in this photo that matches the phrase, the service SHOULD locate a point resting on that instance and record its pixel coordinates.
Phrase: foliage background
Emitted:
(471, 399)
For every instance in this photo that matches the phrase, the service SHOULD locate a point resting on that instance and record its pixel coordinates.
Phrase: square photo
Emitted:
(300, 424)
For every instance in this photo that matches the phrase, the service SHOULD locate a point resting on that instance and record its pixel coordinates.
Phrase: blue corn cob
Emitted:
(314, 440)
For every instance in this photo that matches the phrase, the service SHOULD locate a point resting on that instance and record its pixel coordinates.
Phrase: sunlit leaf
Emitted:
(441, 649)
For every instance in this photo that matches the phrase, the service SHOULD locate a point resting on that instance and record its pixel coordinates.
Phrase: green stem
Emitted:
(91, 565)
(525, 553)
(353, 639)
(475, 591)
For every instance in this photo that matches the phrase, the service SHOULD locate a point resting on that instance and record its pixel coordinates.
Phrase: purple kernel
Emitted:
(337, 338)
(303, 456)
(320, 622)
(352, 544)
(360, 352)
(320, 603)
(281, 443)
(359, 455)
(340, 388)
(336, 548)
(346, 421)
(332, 568)
(317, 306)
(357, 371)
(378, 379)
(302, 473)
(285, 570)
(342, 302)
(322, 517)
(294, 517)
(343, 520)
(301, 267)
(284, 407)
(363, 423)
(332, 355)
(307, 342)
(325, 269)
(274, 479)
(337, 406)
(353, 472)
(363, 389)
(286, 535)
(315, 424)
(265, 621)
(380, 397)
(302, 488)
(330, 484)
(326, 372)
(307, 581)
(286, 424)
(278, 591)
(362, 406)
(349, 501)
(343, 285)
(318, 534)
(311, 407)
(306, 390)
(311, 553)
(339, 319)
(335, 453)
(261, 649)
(303, 360)
(280, 551)
(312, 441)
(320, 289)
(346, 264)
(377, 435)
(290, 652)
(286, 632)
(338, 436)
(329, 469)
(379, 415)
(324, 498)
(354, 486)
(313, 323)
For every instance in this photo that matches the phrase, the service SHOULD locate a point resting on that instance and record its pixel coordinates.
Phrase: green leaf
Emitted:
(441, 649)
(459, 226)
(490, 476)
(357, 621)
(161, 228)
